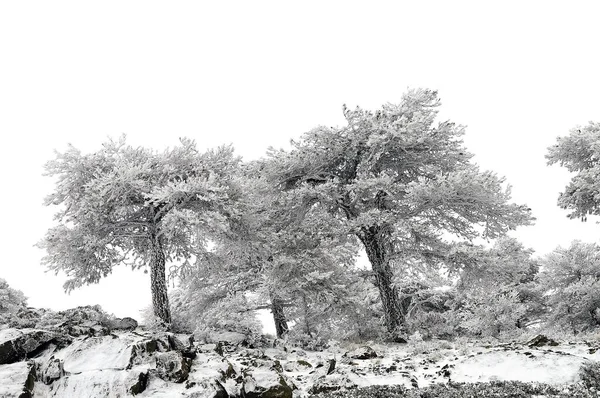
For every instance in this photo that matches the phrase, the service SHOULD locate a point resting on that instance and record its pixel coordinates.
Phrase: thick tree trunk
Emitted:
(281, 326)
(158, 281)
(378, 256)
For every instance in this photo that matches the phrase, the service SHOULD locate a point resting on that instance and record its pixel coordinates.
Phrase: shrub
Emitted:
(589, 373)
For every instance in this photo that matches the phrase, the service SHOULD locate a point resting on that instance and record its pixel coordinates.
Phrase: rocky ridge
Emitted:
(82, 353)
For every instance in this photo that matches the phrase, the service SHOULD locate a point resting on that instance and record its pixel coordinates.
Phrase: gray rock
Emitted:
(126, 323)
(138, 383)
(541, 340)
(266, 384)
(210, 389)
(51, 370)
(173, 366)
(364, 352)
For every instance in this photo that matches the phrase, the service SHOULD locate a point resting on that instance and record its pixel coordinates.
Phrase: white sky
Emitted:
(257, 73)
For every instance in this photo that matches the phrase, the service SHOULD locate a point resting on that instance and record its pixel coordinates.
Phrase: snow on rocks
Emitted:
(17, 380)
(363, 352)
(173, 366)
(17, 345)
(266, 383)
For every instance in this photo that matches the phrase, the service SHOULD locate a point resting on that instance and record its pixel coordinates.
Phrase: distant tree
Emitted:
(570, 279)
(11, 300)
(136, 206)
(579, 152)
(401, 183)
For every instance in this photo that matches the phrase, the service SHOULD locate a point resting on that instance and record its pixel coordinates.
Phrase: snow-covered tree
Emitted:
(571, 279)
(579, 152)
(401, 183)
(137, 206)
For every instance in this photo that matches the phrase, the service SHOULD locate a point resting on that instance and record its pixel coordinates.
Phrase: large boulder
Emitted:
(17, 345)
(126, 323)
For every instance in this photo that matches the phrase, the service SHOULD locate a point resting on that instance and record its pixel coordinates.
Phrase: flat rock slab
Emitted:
(95, 383)
(98, 353)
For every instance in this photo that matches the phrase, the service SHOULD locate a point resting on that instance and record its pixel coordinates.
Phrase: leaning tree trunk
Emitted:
(378, 255)
(158, 281)
(281, 326)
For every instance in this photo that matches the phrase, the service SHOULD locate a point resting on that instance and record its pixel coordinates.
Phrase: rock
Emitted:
(212, 347)
(297, 366)
(173, 366)
(540, 340)
(17, 379)
(187, 350)
(331, 383)
(51, 370)
(227, 370)
(138, 383)
(210, 389)
(266, 384)
(364, 352)
(331, 366)
(17, 345)
(126, 323)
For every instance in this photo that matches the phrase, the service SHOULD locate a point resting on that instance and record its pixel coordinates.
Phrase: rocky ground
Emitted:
(81, 353)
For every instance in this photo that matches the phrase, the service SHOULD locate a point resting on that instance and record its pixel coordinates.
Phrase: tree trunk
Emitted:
(158, 281)
(306, 321)
(378, 256)
(281, 326)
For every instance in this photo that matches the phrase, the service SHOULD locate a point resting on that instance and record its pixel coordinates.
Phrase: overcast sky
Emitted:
(257, 74)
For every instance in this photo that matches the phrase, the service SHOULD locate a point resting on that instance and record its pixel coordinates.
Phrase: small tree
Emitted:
(133, 205)
(571, 280)
(402, 183)
(579, 152)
